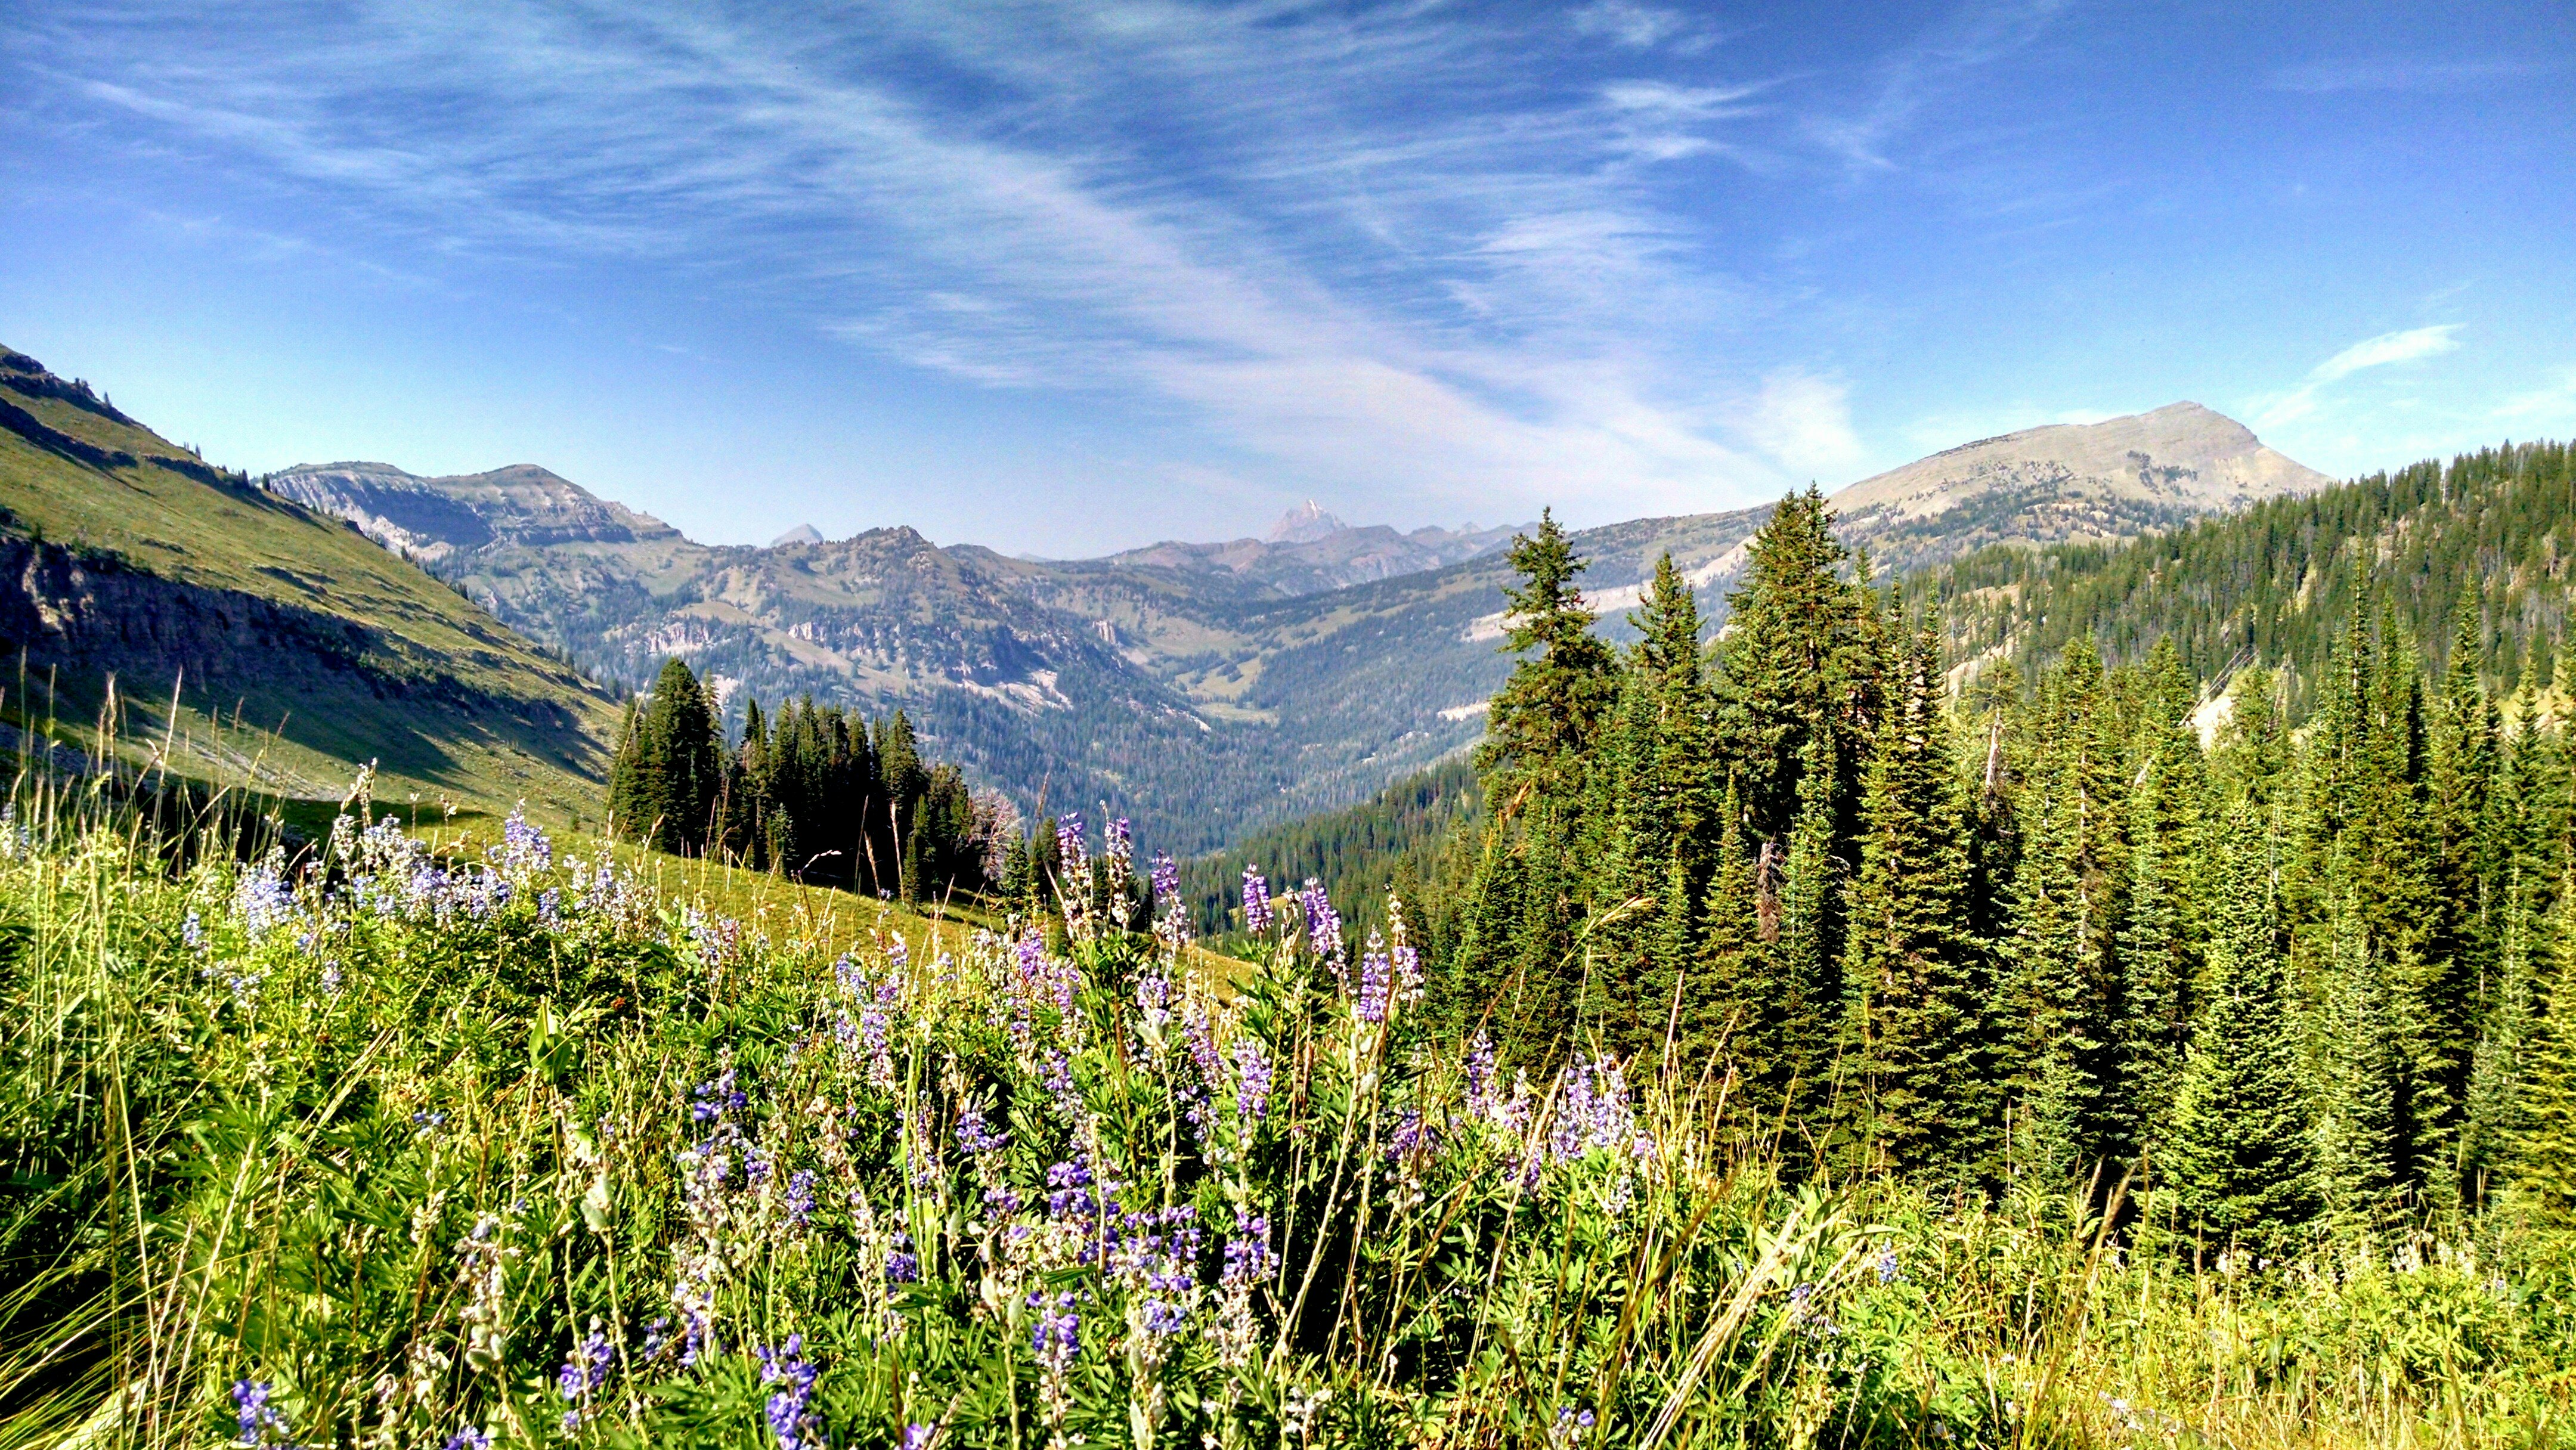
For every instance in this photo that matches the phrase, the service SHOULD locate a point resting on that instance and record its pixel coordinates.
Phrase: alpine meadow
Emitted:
(1288, 725)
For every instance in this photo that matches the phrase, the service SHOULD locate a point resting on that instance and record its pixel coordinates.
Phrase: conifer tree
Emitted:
(1657, 808)
(632, 788)
(2358, 1072)
(1488, 957)
(1550, 710)
(2544, 1147)
(680, 763)
(1547, 972)
(2061, 1003)
(1796, 663)
(2239, 1159)
(1805, 977)
(1910, 970)
(2159, 943)
(1729, 1006)
(2498, 1070)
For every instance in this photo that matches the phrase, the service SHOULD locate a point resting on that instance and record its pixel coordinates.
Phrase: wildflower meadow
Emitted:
(364, 1145)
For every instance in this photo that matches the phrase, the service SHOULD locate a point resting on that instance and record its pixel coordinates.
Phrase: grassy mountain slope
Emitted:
(127, 557)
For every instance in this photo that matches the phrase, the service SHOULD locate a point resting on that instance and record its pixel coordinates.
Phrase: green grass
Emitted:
(395, 1153)
(295, 648)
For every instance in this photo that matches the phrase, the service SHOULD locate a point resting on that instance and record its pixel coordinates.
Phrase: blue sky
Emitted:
(1072, 277)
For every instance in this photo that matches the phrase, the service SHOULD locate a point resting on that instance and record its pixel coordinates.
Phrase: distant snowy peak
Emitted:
(801, 534)
(1306, 525)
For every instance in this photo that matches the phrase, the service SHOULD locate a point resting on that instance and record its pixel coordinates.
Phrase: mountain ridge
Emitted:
(1206, 688)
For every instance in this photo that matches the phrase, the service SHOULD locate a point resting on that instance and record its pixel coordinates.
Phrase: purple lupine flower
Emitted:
(1410, 1136)
(1408, 971)
(1247, 1253)
(1323, 923)
(791, 1413)
(584, 1370)
(1482, 1100)
(917, 1436)
(714, 1099)
(1118, 846)
(470, 1438)
(1256, 901)
(1069, 849)
(264, 901)
(902, 1266)
(1057, 1336)
(192, 931)
(972, 1134)
(1889, 1269)
(261, 1423)
(1376, 981)
(1167, 879)
(1057, 1078)
(1251, 1081)
(800, 1198)
(523, 845)
(1069, 1190)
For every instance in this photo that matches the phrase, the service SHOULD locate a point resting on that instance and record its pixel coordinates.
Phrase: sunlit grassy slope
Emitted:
(295, 648)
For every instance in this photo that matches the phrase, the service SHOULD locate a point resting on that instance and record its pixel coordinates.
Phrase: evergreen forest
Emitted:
(815, 793)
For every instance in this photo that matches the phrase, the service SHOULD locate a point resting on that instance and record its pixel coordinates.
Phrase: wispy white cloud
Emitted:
(1374, 246)
(2550, 406)
(2386, 350)
(1804, 422)
(1636, 26)
(1241, 211)
(1976, 36)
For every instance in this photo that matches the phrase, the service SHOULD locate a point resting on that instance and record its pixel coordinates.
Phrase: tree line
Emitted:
(1967, 923)
(814, 792)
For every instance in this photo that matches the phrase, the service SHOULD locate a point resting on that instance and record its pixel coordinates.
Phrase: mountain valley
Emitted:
(1204, 689)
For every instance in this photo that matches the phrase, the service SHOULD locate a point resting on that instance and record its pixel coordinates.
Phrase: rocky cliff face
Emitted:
(433, 520)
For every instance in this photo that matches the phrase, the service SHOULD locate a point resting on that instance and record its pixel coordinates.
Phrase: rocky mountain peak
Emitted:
(1304, 525)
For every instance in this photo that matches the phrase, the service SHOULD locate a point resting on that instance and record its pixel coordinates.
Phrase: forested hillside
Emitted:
(2317, 968)
(1406, 838)
(2276, 584)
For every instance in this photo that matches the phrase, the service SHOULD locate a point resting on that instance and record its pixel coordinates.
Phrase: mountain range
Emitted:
(1203, 688)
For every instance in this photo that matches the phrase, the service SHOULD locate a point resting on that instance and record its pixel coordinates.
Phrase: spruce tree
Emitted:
(2159, 943)
(1729, 1006)
(682, 767)
(634, 790)
(1796, 662)
(1488, 958)
(1658, 812)
(1910, 969)
(1805, 978)
(2062, 997)
(1550, 710)
(2239, 1159)
(2544, 1144)
(2359, 1069)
